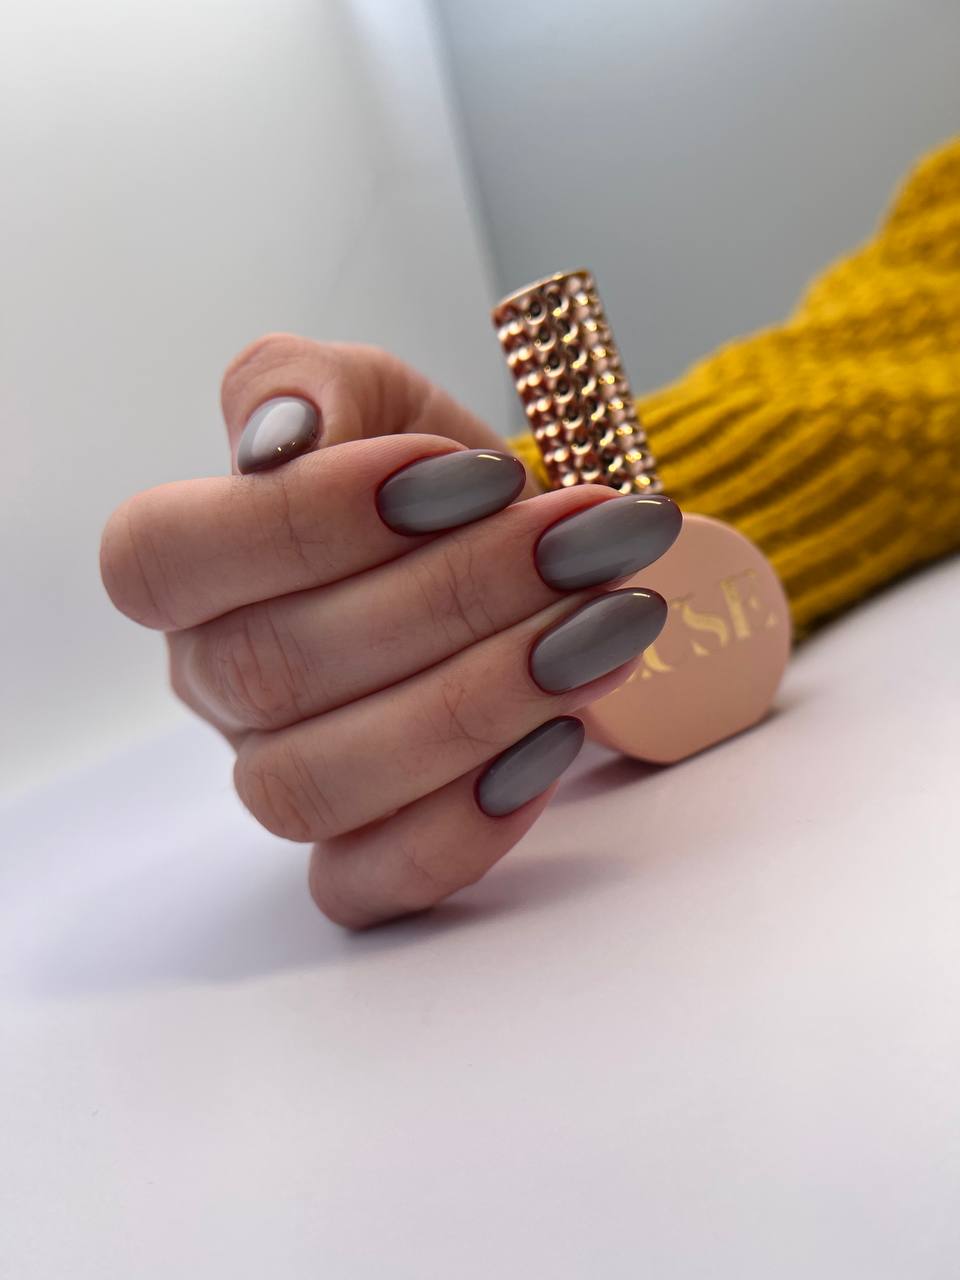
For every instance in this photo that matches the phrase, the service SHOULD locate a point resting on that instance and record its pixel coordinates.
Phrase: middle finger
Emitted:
(359, 763)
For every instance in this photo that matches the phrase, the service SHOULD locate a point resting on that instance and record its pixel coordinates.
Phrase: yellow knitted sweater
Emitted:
(833, 440)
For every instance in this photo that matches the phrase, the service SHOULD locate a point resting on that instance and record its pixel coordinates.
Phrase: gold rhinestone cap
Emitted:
(568, 375)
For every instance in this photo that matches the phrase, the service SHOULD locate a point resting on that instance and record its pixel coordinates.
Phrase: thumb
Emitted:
(285, 395)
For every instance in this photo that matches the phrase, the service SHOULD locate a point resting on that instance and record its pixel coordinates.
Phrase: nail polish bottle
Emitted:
(715, 667)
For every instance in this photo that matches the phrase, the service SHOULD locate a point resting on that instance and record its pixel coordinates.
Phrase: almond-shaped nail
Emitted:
(528, 767)
(610, 540)
(599, 637)
(450, 490)
(280, 429)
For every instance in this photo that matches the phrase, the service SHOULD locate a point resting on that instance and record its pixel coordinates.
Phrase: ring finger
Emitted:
(313, 781)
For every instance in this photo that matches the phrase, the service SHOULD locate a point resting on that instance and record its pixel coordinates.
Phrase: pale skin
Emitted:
(364, 677)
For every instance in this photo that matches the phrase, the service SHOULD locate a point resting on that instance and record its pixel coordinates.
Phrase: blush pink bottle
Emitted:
(716, 665)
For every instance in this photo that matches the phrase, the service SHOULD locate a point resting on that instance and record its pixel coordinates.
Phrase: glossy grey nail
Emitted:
(528, 767)
(453, 489)
(608, 541)
(278, 430)
(597, 638)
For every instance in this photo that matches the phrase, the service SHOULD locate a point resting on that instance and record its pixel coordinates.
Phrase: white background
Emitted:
(178, 179)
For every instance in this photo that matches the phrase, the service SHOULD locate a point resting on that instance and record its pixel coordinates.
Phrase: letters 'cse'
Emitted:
(705, 632)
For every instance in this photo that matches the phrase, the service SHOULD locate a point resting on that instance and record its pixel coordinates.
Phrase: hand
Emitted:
(391, 642)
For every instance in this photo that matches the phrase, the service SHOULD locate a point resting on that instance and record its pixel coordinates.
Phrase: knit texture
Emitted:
(833, 440)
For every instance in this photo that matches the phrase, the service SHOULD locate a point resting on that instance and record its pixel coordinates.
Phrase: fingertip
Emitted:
(258, 358)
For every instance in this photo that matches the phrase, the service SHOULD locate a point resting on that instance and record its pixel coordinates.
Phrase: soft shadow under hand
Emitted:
(609, 773)
(267, 924)
(232, 910)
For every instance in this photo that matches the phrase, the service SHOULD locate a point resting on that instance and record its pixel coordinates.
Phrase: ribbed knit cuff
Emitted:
(833, 441)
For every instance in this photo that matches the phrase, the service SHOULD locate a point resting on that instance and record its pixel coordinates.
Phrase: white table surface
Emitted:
(703, 1022)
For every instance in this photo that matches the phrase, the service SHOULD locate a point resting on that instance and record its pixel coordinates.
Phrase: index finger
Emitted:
(188, 552)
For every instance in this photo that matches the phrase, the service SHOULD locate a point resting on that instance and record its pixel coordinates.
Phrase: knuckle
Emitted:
(460, 719)
(288, 519)
(373, 352)
(251, 669)
(453, 593)
(356, 900)
(328, 894)
(289, 796)
(132, 567)
(427, 881)
(271, 797)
